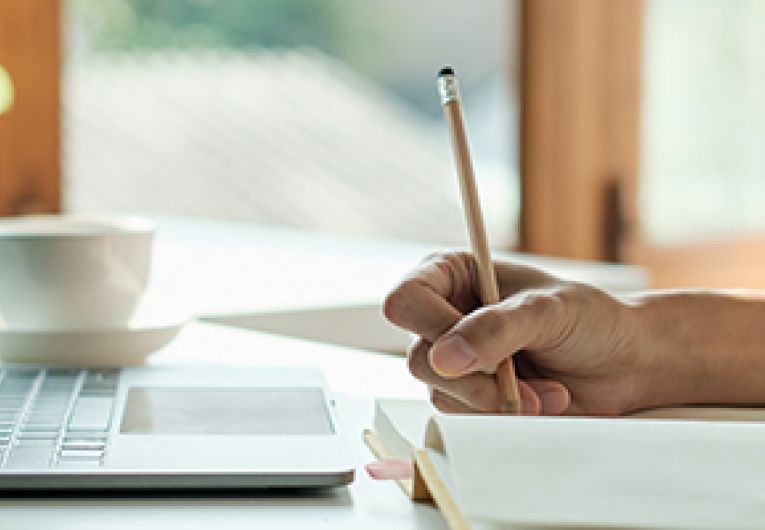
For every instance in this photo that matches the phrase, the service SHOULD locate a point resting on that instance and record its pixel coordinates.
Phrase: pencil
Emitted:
(487, 280)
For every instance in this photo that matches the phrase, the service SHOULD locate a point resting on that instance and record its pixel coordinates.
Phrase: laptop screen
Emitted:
(247, 411)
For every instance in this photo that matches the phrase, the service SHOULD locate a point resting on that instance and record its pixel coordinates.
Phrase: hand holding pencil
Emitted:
(468, 333)
(584, 351)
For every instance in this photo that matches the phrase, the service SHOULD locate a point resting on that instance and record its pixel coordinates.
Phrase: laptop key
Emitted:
(85, 436)
(79, 445)
(81, 454)
(39, 435)
(79, 464)
(91, 413)
(40, 427)
(29, 457)
(37, 442)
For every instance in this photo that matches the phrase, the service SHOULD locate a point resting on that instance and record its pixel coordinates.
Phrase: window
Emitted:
(703, 167)
(313, 115)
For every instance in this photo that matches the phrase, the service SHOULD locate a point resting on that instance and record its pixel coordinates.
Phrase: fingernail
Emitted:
(452, 356)
(554, 401)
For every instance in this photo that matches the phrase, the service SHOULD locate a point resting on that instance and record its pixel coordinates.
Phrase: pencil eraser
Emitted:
(446, 70)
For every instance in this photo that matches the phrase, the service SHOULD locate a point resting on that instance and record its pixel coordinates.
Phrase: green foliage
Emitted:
(152, 24)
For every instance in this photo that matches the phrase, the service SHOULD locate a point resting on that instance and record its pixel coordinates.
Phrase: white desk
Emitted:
(223, 269)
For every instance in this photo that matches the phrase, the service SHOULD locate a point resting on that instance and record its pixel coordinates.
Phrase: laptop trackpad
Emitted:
(274, 429)
(263, 411)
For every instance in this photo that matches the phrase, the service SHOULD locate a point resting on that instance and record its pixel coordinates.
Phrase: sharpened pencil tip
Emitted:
(446, 70)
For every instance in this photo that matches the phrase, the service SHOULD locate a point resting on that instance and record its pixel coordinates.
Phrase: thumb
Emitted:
(483, 339)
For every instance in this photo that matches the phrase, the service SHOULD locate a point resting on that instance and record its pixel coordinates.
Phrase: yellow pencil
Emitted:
(450, 101)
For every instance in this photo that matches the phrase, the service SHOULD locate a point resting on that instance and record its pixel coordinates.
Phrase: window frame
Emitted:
(30, 135)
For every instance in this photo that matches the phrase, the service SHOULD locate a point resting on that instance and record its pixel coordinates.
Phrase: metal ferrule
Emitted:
(448, 89)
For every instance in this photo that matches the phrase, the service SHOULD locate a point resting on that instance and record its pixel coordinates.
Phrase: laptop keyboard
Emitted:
(55, 417)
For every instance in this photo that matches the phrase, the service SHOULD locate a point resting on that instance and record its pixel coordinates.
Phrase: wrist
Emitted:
(671, 369)
(701, 347)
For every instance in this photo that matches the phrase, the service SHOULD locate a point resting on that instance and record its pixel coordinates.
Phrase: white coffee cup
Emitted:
(72, 272)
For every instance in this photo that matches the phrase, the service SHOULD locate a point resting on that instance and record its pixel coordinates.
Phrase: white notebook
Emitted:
(671, 468)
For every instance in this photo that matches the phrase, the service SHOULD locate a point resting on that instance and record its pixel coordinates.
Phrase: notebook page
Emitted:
(400, 424)
(609, 472)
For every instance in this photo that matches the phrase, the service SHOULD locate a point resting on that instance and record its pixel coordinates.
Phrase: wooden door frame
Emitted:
(579, 125)
(581, 68)
(30, 137)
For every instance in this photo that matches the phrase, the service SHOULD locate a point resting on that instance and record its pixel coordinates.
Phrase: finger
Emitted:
(478, 391)
(486, 337)
(446, 403)
(554, 398)
(433, 297)
(454, 275)
(531, 404)
(415, 307)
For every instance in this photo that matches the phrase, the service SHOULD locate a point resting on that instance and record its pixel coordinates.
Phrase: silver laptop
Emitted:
(168, 428)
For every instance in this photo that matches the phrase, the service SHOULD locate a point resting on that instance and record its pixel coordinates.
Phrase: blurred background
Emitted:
(616, 130)
(315, 115)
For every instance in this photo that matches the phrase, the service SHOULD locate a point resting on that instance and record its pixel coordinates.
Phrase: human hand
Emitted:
(577, 344)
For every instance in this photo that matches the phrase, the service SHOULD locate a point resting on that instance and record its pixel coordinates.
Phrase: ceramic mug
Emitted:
(72, 272)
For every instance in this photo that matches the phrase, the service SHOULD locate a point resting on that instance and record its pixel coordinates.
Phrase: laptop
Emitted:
(173, 428)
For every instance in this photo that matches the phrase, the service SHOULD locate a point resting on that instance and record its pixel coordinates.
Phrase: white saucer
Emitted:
(116, 346)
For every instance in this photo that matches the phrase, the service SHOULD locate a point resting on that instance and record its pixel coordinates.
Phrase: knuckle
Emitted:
(438, 400)
(543, 302)
(485, 331)
(446, 257)
(435, 257)
(392, 304)
(400, 298)
(412, 365)
(572, 289)
(459, 268)
(534, 299)
(492, 321)
(455, 264)
(573, 296)
(482, 397)
(441, 404)
(416, 362)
